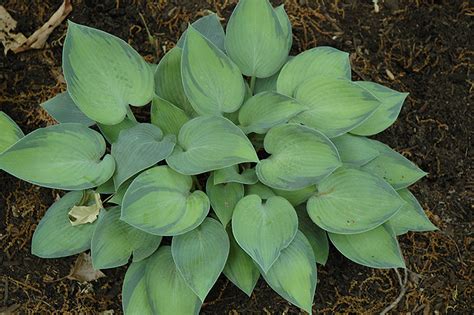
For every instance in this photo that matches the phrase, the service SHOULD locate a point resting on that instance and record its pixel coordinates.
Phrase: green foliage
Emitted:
(253, 161)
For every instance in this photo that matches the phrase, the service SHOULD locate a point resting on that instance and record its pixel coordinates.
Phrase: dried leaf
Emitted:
(83, 271)
(9, 39)
(85, 214)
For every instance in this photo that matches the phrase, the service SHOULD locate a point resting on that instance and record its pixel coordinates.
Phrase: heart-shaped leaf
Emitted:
(263, 229)
(411, 216)
(104, 74)
(166, 288)
(386, 114)
(169, 83)
(267, 109)
(353, 201)
(393, 167)
(138, 148)
(62, 109)
(112, 132)
(259, 189)
(134, 293)
(200, 255)
(231, 175)
(212, 82)
(285, 24)
(114, 241)
(296, 197)
(10, 134)
(158, 202)
(210, 143)
(336, 106)
(316, 236)
(377, 248)
(167, 117)
(300, 157)
(223, 198)
(355, 151)
(64, 156)
(55, 237)
(240, 268)
(320, 61)
(293, 275)
(210, 27)
(255, 39)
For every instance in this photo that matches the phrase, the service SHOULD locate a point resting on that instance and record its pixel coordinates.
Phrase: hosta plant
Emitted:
(251, 161)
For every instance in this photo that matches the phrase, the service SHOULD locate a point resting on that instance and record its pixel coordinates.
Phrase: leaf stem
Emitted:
(252, 83)
(130, 114)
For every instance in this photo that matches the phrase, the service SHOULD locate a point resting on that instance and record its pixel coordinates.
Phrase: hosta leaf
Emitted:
(158, 202)
(300, 157)
(64, 156)
(336, 106)
(296, 197)
(293, 275)
(210, 27)
(167, 117)
(240, 268)
(231, 175)
(168, 81)
(267, 109)
(118, 195)
(411, 216)
(263, 229)
(255, 39)
(200, 255)
(167, 290)
(316, 236)
(353, 201)
(210, 143)
(106, 188)
(55, 237)
(355, 151)
(114, 241)
(386, 114)
(377, 248)
(212, 82)
(10, 134)
(112, 132)
(393, 167)
(260, 190)
(285, 24)
(104, 74)
(223, 198)
(134, 293)
(322, 61)
(138, 148)
(62, 109)
(266, 84)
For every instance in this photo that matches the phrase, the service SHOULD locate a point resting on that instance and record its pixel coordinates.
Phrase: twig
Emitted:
(403, 290)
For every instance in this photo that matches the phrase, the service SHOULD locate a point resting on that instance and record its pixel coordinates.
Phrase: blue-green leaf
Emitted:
(62, 109)
(64, 156)
(377, 248)
(167, 117)
(316, 236)
(353, 201)
(134, 292)
(210, 27)
(112, 132)
(231, 175)
(255, 39)
(296, 197)
(212, 82)
(317, 62)
(223, 198)
(10, 134)
(386, 114)
(355, 151)
(264, 228)
(138, 148)
(55, 236)
(210, 143)
(200, 255)
(259, 189)
(104, 74)
(114, 241)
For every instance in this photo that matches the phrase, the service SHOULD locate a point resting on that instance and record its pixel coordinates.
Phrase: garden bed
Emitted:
(423, 50)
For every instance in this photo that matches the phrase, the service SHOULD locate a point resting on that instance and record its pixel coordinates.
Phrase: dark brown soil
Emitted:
(422, 47)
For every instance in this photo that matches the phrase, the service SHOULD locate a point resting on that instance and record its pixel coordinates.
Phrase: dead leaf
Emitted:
(85, 214)
(9, 39)
(83, 270)
(18, 43)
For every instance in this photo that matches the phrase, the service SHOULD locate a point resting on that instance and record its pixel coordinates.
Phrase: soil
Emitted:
(422, 47)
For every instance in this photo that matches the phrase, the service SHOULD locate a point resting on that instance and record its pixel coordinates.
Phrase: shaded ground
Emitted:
(424, 49)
